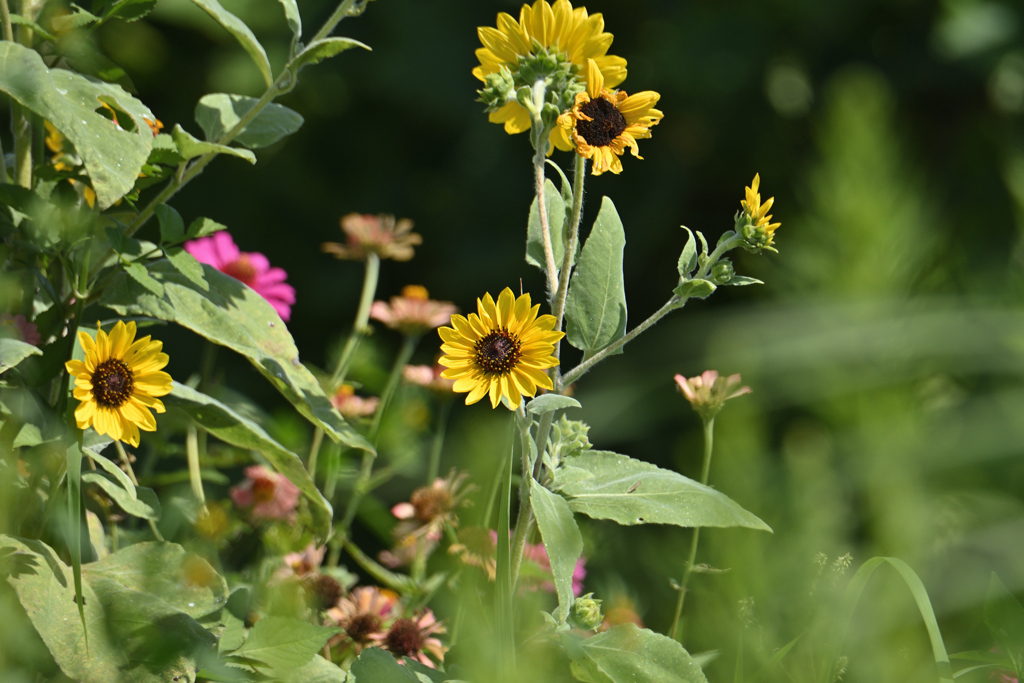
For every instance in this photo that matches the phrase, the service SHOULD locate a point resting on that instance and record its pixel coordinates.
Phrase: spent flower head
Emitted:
(432, 507)
(753, 222)
(476, 547)
(363, 614)
(267, 494)
(708, 391)
(428, 377)
(414, 312)
(381, 234)
(414, 638)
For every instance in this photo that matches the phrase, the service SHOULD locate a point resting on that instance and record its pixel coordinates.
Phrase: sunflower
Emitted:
(502, 352)
(604, 123)
(757, 213)
(559, 29)
(118, 382)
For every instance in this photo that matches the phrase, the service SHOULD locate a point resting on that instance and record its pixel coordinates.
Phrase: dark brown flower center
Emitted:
(263, 490)
(608, 123)
(429, 503)
(241, 269)
(498, 352)
(112, 383)
(404, 638)
(362, 626)
(325, 590)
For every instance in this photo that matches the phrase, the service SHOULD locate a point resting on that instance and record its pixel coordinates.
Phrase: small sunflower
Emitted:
(603, 123)
(558, 28)
(118, 382)
(756, 215)
(503, 352)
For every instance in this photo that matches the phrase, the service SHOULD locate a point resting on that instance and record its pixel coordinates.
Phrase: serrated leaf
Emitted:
(167, 571)
(218, 113)
(375, 665)
(144, 506)
(235, 316)
(627, 654)
(190, 147)
(562, 542)
(556, 222)
(138, 272)
(695, 289)
(231, 427)
(242, 33)
(595, 309)
(13, 351)
(112, 154)
(186, 264)
(19, 20)
(77, 19)
(172, 228)
(687, 259)
(606, 485)
(545, 403)
(322, 49)
(202, 227)
(164, 151)
(130, 10)
(283, 642)
(113, 470)
(741, 280)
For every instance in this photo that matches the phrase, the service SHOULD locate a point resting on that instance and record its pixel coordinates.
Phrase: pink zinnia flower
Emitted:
(707, 392)
(251, 268)
(269, 494)
(414, 312)
(18, 327)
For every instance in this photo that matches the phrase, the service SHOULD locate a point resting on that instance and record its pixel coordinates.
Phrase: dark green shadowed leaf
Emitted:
(318, 670)
(113, 155)
(13, 351)
(606, 485)
(130, 10)
(74, 482)
(113, 470)
(218, 113)
(284, 643)
(230, 427)
(595, 310)
(190, 147)
(186, 264)
(627, 654)
(172, 228)
(556, 222)
(375, 665)
(322, 49)
(242, 34)
(140, 274)
(562, 542)
(1004, 617)
(145, 504)
(202, 227)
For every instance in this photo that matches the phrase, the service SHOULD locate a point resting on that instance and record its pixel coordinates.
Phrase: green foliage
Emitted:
(322, 49)
(190, 147)
(550, 402)
(606, 485)
(562, 541)
(1004, 617)
(242, 33)
(283, 643)
(557, 224)
(13, 351)
(218, 113)
(142, 503)
(377, 666)
(627, 654)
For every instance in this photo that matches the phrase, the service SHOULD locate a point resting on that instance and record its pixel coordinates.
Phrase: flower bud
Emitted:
(498, 89)
(586, 613)
(723, 272)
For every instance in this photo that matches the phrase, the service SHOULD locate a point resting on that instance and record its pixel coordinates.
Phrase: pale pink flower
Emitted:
(414, 638)
(349, 405)
(428, 377)
(414, 312)
(269, 494)
(707, 392)
(251, 268)
(302, 564)
(18, 327)
(380, 234)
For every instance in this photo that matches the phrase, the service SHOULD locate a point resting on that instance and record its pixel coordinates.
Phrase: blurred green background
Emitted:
(884, 352)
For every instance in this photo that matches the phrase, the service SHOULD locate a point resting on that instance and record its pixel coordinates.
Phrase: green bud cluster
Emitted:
(553, 68)
(567, 437)
(586, 613)
(755, 238)
(498, 90)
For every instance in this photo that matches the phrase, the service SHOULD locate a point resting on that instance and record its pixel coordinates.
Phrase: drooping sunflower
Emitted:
(118, 382)
(502, 351)
(559, 29)
(603, 123)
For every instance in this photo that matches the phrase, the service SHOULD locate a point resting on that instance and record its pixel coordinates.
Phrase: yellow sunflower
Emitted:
(118, 382)
(604, 123)
(503, 352)
(558, 28)
(760, 219)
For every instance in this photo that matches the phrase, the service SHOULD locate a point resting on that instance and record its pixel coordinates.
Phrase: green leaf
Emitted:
(235, 316)
(144, 505)
(595, 309)
(741, 280)
(113, 470)
(164, 151)
(186, 264)
(203, 227)
(19, 20)
(230, 427)
(1004, 617)
(548, 402)
(606, 485)
(74, 483)
(562, 542)
(318, 670)
(167, 571)
(556, 221)
(322, 49)
(375, 665)
(218, 113)
(172, 228)
(294, 19)
(695, 289)
(283, 642)
(113, 155)
(77, 19)
(129, 10)
(13, 351)
(627, 654)
(687, 259)
(242, 33)
(140, 274)
(190, 147)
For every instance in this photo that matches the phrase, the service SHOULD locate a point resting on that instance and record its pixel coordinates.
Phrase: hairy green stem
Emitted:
(436, 445)
(709, 434)
(579, 177)
(538, 177)
(525, 518)
(127, 465)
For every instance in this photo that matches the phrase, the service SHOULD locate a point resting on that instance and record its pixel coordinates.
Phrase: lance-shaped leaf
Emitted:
(556, 222)
(688, 258)
(113, 153)
(242, 33)
(606, 485)
(595, 309)
(231, 427)
(235, 316)
(322, 49)
(218, 113)
(294, 19)
(13, 351)
(562, 542)
(627, 654)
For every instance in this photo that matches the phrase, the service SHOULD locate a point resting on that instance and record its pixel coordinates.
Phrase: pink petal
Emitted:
(225, 247)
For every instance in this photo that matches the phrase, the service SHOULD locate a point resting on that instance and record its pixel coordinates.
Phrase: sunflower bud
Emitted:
(499, 89)
(586, 613)
(567, 437)
(723, 272)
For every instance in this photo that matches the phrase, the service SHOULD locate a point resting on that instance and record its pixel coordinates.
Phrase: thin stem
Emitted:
(440, 427)
(525, 519)
(22, 117)
(194, 475)
(709, 432)
(503, 578)
(538, 176)
(341, 11)
(579, 177)
(5, 19)
(404, 354)
(127, 464)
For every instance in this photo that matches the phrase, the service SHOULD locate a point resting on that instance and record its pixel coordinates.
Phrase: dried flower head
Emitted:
(414, 312)
(362, 614)
(414, 638)
(707, 392)
(269, 495)
(428, 377)
(302, 564)
(476, 548)
(430, 508)
(324, 591)
(351, 406)
(381, 234)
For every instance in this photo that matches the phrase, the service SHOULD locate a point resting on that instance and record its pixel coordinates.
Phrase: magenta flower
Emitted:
(538, 556)
(251, 268)
(269, 494)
